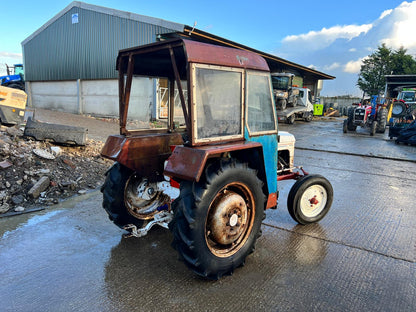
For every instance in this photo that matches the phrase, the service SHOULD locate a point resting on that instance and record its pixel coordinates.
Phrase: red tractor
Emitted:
(210, 169)
(367, 115)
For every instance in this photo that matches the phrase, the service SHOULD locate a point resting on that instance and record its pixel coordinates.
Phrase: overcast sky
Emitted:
(330, 36)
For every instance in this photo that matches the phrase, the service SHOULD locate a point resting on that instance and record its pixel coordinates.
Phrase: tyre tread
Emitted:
(306, 181)
(184, 221)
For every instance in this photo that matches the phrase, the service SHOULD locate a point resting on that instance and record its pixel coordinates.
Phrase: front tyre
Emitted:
(281, 104)
(350, 120)
(290, 119)
(310, 199)
(381, 120)
(373, 128)
(217, 220)
(309, 116)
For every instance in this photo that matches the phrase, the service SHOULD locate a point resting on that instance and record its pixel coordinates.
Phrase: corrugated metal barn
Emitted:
(70, 61)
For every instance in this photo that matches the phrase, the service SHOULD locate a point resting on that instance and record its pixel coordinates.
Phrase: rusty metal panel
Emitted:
(144, 153)
(113, 146)
(195, 52)
(272, 200)
(188, 163)
(198, 52)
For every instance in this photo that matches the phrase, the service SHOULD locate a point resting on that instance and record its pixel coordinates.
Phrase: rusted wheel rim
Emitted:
(142, 197)
(230, 219)
(313, 201)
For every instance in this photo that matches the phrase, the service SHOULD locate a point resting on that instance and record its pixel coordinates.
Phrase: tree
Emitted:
(384, 61)
(402, 63)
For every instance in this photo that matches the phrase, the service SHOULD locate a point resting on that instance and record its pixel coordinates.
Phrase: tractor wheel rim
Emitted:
(142, 198)
(230, 220)
(397, 109)
(313, 201)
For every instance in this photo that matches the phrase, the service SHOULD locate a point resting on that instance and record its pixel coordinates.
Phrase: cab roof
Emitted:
(154, 59)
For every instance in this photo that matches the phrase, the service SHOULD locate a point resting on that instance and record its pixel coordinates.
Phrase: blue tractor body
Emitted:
(14, 77)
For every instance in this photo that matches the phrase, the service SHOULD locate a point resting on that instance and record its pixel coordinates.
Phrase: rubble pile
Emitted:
(34, 173)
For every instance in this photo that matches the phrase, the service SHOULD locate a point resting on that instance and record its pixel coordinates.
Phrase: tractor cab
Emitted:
(17, 69)
(219, 101)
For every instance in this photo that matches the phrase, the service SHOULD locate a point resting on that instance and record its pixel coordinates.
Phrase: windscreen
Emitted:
(280, 83)
(407, 96)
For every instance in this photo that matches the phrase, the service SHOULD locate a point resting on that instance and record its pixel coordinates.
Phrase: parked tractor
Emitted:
(372, 115)
(208, 172)
(403, 112)
(14, 78)
(405, 103)
(291, 102)
(282, 89)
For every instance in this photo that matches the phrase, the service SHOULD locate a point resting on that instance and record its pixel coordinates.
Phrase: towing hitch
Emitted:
(162, 219)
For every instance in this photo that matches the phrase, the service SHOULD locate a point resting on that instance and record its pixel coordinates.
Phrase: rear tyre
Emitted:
(16, 86)
(399, 109)
(310, 199)
(113, 196)
(345, 126)
(217, 220)
(291, 119)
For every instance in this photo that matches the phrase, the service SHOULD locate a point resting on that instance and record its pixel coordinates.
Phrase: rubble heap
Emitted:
(36, 173)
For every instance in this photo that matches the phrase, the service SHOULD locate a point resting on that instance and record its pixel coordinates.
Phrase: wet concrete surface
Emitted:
(327, 136)
(360, 257)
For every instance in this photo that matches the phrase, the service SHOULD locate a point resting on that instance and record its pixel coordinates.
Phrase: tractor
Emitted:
(372, 115)
(291, 101)
(14, 78)
(210, 170)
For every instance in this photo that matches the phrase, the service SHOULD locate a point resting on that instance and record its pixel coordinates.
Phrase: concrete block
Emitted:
(39, 187)
(55, 132)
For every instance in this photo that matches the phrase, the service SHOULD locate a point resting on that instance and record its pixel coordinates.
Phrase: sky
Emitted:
(330, 36)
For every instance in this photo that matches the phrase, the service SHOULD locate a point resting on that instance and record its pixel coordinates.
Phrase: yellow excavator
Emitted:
(12, 105)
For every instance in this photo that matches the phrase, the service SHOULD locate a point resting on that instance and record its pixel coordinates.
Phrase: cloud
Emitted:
(10, 59)
(326, 36)
(353, 67)
(385, 13)
(340, 50)
(10, 55)
(402, 27)
(332, 66)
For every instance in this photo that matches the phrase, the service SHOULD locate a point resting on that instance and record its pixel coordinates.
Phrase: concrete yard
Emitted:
(360, 257)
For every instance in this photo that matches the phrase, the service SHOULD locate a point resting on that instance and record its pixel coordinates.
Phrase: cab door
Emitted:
(261, 125)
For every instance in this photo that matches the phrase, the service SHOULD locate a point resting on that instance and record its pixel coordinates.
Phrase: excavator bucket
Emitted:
(12, 105)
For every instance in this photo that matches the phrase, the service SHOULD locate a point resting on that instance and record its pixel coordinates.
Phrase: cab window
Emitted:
(218, 100)
(260, 106)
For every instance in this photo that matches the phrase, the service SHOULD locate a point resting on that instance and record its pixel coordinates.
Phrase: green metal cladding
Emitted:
(83, 43)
